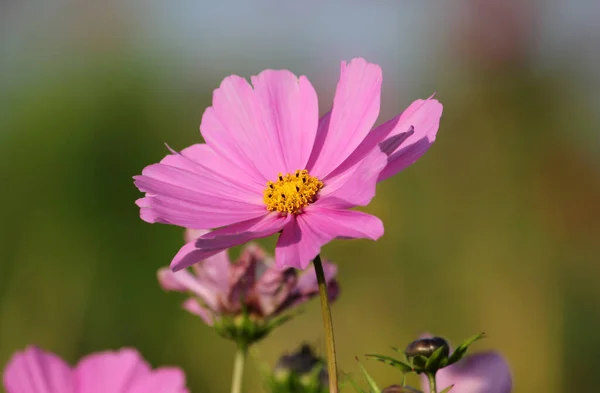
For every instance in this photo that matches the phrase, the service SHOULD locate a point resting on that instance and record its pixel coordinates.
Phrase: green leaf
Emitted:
(370, 380)
(461, 350)
(447, 389)
(392, 362)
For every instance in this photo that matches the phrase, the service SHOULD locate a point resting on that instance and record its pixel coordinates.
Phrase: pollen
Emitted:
(291, 192)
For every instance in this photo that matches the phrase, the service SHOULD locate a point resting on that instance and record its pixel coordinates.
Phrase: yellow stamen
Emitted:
(290, 193)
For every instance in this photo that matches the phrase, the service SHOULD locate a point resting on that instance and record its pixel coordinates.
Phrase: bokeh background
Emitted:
(495, 229)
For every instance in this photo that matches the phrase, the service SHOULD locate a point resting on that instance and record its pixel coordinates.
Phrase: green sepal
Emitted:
(418, 363)
(279, 320)
(461, 350)
(406, 368)
(246, 329)
(437, 359)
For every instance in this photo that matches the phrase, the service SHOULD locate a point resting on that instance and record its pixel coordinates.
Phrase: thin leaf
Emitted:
(392, 362)
(461, 350)
(370, 381)
(348, 380)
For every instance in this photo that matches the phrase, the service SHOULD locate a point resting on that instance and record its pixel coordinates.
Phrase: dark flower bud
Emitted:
(427, 354)
(300, 372)
(426, 347)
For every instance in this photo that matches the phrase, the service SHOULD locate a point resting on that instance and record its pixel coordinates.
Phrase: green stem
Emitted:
(431, 378)
(238, 370)
(328, 326)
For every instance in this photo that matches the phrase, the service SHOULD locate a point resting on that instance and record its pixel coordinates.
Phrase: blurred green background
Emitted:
(495, 229)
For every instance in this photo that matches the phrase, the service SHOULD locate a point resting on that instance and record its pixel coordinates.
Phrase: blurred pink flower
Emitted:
(483, 372)
(271, 165)
(123, 371)
(251, 285)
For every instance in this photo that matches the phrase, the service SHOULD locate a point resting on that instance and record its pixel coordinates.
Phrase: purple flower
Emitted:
(270, 165)
(252, 285)
(123, 371)
(483, 372)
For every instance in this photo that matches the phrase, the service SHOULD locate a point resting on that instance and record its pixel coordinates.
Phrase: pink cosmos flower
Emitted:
(123, 371)
(271, 165)
(483, 372)
(252, 285)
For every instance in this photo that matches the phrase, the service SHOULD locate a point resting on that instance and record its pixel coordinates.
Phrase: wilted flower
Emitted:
(482, 372)
(245, 299)
(271, 165)
(123, 371)
(299, 372)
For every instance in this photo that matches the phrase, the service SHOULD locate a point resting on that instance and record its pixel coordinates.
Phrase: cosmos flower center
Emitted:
(291, 192)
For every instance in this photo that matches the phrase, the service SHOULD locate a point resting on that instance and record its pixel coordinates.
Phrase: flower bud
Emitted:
(428, 354)
(300, 372)
(426, 347)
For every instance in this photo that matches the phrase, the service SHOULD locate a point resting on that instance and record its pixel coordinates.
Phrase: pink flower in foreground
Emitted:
(482, 372)
(252, 286)
(123, 371)
(271, 165)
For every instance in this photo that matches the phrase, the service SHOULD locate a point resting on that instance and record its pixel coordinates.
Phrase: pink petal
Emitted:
(355, 109)
(290, 112)
(243, 279)
(36, 371)
(274, 288)
(307, 283)
(191, 199)
(484, 372)
(263, 131)
(302, 238)
(162, 380)
(174, 211)
(108, 372)
(355, 186)
(308, 287)
(214, 270)
(424, 116)
(193, 234)
(184, 281)
(227, 237)
(191, 305)
(320, 137)
(168, 281)
(228, 126)
(202, 158)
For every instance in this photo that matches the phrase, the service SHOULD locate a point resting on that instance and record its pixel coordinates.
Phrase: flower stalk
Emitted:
(432, 383)
(327, 325)
(238, 369)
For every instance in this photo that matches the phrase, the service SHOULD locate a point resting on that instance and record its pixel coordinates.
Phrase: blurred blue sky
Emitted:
(413, 41)
(242, 34)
